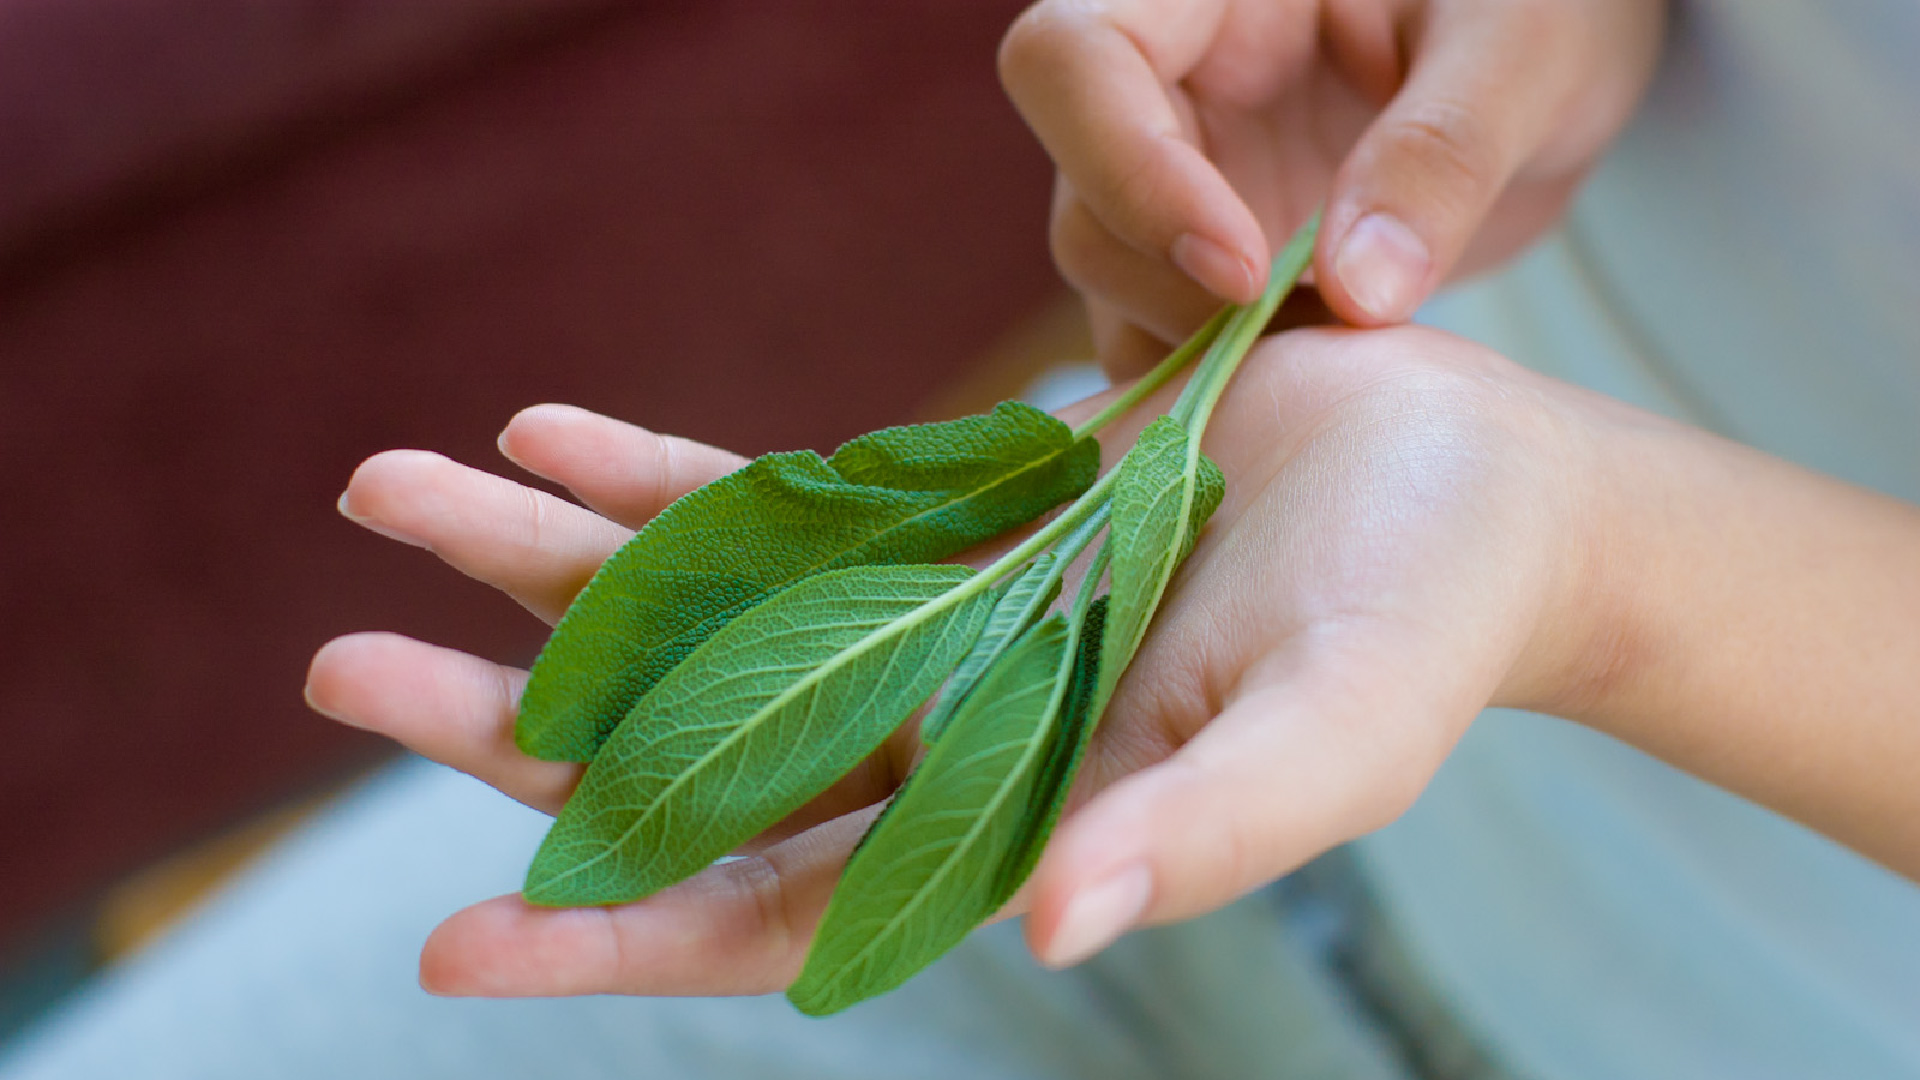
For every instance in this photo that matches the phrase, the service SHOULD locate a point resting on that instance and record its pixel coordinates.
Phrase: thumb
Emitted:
(1485, 85)
(1286, 772)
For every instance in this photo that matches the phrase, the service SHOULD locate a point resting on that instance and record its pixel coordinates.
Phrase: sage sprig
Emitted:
(902, 495)
(765, 715)
(767, 632)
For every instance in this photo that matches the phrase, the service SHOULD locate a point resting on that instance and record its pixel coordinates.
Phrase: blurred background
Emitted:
(246, 243)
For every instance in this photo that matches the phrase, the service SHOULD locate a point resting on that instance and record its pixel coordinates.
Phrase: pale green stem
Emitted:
(1088, 504)
(1226, 338)
(1183, 405)
(1155, 379)
(1091, 583)
(1216, 370)
(1069, 549)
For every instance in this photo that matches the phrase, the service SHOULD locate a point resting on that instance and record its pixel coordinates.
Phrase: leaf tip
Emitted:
(810, 1002)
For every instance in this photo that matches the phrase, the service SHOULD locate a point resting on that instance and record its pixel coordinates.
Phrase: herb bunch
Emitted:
(765, 633)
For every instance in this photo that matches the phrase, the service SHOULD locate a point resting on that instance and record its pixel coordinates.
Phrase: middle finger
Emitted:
(445, 705)
(535, 547)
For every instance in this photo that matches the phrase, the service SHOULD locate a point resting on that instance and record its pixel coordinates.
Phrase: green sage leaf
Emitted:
(1165, 492)
(763, 716)
(1020, 605)
(1066, 748)
(903, 495)
(928, 872)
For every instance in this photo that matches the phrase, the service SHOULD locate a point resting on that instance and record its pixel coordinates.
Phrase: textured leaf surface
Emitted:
(765, 715)
(928, 872)
(903, 495)
(1022, 603)
(1067, 746)
(1165, 492)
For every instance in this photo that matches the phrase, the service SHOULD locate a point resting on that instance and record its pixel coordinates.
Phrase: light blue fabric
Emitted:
(306, 970)
(1748, 259)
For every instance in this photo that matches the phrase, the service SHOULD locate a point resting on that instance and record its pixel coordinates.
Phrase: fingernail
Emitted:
(1382, 264)
(433, 984)
(1098, 915)
(1224, 273)
(307, 692)
(505, 450)
(346, 511)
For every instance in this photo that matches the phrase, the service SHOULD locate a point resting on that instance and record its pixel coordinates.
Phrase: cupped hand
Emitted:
(1399, 547)
(1191, 135)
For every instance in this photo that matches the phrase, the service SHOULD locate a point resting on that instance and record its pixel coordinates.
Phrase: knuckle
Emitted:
(764, 896)
(1244, 855)
(1447, 141)
(1224, 850)
(1238, 860)
(1135, 188)
(537, 519)
(614, 967)
(1078, 243)
(1034, 43)
(669, 469)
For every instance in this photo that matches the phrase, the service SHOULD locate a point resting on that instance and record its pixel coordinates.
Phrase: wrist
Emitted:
(1591, 639)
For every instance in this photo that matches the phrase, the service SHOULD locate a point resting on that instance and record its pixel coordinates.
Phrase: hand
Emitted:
(1442, 136)
(1381, 570)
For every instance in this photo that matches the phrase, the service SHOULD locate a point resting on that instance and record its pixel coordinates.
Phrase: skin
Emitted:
(1414, 529)
(1193, 136)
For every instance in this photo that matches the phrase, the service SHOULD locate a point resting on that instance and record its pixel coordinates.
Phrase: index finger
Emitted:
(1093, 81)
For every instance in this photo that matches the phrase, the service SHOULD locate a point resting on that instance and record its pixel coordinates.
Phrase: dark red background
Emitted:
(245, 244)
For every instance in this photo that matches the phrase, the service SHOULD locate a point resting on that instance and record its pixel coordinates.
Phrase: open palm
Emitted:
(1376, 575)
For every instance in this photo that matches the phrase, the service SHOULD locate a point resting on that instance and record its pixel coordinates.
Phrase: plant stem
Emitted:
(1069, 549)
(1226, 338)
(1088, 504)
(1216, 369)
(1091, 583)
(1163, 371)
(1183, 405)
